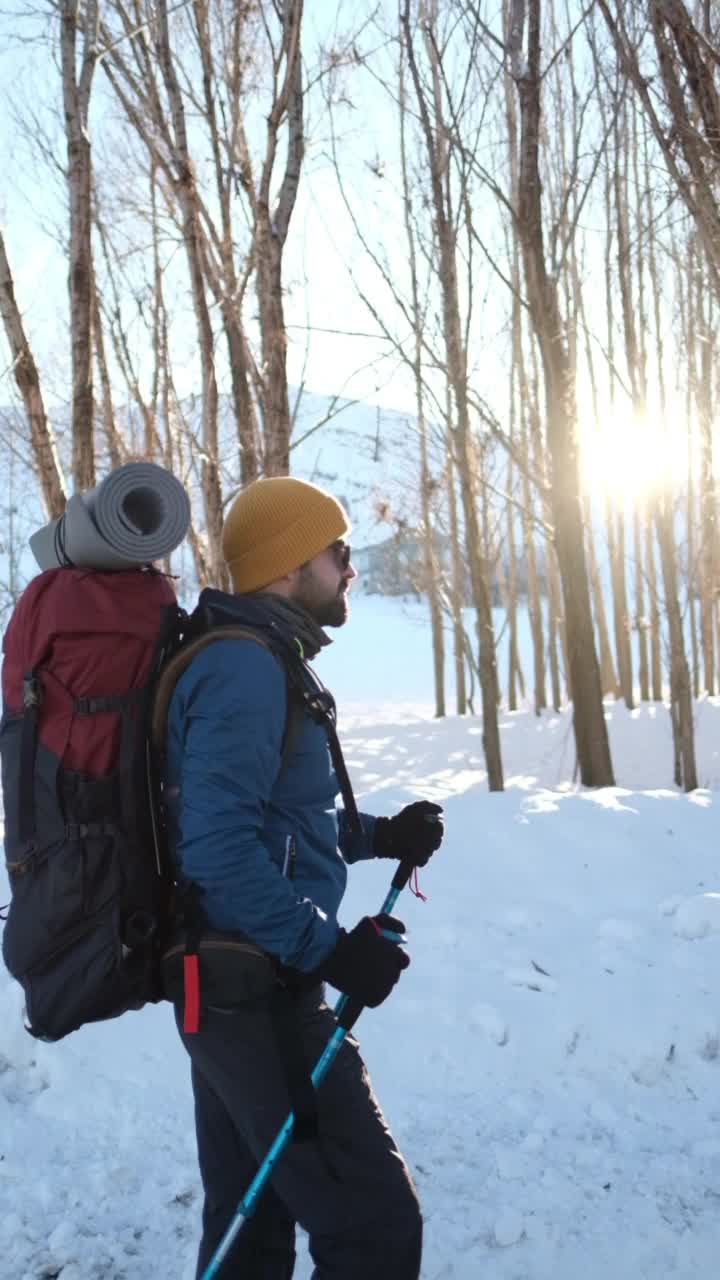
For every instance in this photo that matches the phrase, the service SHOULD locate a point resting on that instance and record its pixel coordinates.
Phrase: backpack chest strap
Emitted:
(91, 706)
(320, 705)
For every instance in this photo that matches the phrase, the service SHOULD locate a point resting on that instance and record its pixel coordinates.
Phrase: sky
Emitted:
(321, 248)
(334, 343)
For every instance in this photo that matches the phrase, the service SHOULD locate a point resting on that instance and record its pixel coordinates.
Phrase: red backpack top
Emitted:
(89, 887)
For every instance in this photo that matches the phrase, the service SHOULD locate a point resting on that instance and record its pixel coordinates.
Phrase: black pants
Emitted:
(350, 1189)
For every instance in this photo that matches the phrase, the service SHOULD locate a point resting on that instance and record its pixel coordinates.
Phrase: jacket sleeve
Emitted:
(356, 846)
(232, 709)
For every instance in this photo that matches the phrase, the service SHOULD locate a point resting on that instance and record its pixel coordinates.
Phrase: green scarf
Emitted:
(290, 616)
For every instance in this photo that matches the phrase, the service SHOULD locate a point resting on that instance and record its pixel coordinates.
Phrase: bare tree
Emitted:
(431, 576)
(683, 61)
(520, 395)
(584, 674)
(271, 229)
(206, 67)
(28, 382)
(76, 86)
(703, 362)
(436, 136)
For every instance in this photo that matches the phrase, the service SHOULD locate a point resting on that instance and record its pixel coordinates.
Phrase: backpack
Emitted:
(91, 660)
(89, 877)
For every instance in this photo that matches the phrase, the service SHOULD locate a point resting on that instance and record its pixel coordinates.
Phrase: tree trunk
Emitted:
(607, 666)
(593, 751)
(691, 572)
(227, 289)
(436, 141)
(704, 399)
(681, 705)
(621, 615)
(534, 595)
(456, 579)
(657, 688)
(432, 575)
(534, 607)
(608, 676)
(175, 429)
(519, 396)
(28, 383)
(76, 103)
(686, 309)
(276, 405)
(243, 404)
(112, 438)
(271, 230)
(192, 238)
(640, 619)
(554, 624)
(639, 383)
(653, 611)
(515, 675)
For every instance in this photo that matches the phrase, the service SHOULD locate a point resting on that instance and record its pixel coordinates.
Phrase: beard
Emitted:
(328, 610)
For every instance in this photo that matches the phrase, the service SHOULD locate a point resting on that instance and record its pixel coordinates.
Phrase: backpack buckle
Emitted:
(317, 703)
(32, 693)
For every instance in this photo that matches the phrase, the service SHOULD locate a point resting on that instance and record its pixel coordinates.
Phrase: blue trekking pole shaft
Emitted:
(347, 1012)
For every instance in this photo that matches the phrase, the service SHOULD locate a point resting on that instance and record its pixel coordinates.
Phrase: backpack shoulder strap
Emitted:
(171, 673)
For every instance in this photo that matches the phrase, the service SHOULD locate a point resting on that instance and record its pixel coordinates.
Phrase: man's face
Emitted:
(322, 585)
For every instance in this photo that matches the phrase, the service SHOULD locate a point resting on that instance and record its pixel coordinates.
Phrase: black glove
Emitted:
(415, 833)
(365, 965)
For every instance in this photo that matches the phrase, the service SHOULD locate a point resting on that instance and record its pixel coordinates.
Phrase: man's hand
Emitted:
(414, 833)
(364, 963)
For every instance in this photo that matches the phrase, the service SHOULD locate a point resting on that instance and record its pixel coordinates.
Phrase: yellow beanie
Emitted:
(274, 526)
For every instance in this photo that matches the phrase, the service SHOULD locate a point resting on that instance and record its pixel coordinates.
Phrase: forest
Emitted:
(522, 199)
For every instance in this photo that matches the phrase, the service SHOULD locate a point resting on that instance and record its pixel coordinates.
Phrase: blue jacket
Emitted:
(232, 811)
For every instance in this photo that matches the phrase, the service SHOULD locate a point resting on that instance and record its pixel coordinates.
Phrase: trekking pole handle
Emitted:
(348, 1011)
(405, 869)
(349, 1014)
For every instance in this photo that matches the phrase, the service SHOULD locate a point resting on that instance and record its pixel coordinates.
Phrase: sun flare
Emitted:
(631, 457)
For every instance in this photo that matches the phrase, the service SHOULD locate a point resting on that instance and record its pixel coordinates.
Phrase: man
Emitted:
(256, 831)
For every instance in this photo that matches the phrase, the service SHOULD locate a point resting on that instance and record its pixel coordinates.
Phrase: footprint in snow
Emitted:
(508, 1229)
(698, 917)
(534, 978)
(19, 1084)
(486, 1019)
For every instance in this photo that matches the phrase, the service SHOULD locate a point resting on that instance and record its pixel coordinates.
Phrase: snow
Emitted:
(550, 1063)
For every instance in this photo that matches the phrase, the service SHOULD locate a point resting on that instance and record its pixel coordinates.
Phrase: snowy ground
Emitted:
(550, 1062)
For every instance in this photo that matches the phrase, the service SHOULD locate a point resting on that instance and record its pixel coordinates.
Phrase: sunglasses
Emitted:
(341, 552)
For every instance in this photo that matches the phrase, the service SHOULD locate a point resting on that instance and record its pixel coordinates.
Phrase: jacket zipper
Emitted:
(290, 858)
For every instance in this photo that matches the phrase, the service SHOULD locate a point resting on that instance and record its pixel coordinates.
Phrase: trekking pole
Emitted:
(347, 1012)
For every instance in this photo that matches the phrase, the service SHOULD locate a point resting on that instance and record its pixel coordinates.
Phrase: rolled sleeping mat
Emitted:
(138, 513)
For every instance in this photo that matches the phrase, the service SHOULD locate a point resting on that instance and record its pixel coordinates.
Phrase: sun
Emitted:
(631, 457)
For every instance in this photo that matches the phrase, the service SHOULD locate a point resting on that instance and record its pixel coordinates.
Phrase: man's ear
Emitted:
(296, 574)
(284, 586)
